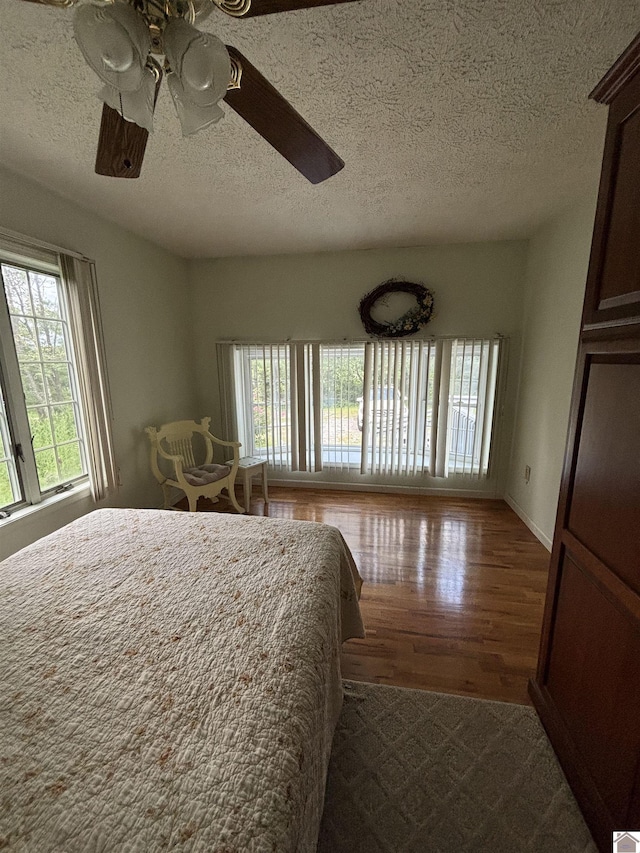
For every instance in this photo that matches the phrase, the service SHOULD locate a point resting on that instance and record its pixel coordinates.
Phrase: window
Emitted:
(473, 371)
(398, 407)
(43, 388)
(264, 395)
(341, 378)
(402, 408)
(52, 379)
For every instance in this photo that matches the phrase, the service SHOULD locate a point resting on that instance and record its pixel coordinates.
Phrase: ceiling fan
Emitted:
(120, 39)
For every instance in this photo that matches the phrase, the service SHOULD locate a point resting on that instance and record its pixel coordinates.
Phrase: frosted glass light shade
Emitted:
(202, 9)
(199, 60)
(192, 117)
(115, 42)
(134, 106)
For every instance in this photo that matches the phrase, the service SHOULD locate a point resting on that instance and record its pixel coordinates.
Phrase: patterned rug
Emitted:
(419, 772)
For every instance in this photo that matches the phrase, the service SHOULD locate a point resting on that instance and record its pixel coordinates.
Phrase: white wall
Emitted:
(160, 334)
(478, 291)
(557, 265)
(146, 326)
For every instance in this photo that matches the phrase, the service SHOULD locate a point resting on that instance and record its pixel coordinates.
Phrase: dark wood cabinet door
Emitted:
(587, 687)
(605, 493)
(613, 283)
(596, 646)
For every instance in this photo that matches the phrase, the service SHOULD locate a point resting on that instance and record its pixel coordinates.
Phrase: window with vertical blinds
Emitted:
(265, 395)
(398, 408)
(472, 377)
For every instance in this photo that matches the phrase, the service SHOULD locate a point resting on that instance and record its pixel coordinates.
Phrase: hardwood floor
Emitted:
(453, 588)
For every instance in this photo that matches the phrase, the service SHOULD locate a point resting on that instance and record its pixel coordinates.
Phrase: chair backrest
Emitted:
(176, 438)
(182, 447)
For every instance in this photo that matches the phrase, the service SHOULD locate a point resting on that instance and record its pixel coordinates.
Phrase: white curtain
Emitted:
(227, 392)
(88, 343)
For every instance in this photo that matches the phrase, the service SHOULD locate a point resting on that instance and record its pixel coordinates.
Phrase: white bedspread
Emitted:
(170, 681)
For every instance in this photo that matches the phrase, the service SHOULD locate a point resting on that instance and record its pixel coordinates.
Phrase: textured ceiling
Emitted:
(457, 121)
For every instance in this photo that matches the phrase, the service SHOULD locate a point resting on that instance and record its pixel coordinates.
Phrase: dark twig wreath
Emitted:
(410, 322)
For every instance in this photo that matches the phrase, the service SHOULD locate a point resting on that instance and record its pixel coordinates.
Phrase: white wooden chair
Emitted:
(173, 447)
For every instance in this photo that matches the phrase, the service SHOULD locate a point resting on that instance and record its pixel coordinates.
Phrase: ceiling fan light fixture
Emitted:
(137, 106)
(199, 60)
(201, 9)
(192, 117)
(114, 41)
(118, 38)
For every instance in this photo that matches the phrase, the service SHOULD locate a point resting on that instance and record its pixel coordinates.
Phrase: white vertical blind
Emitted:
(398, 407)
(424, 406)
(309, 414)
(468, 382)
(293, 410)
(339, 397)
(301, 406)
(488, 397)
(315, 438)
(264, 411)
(271, 391)
(88, 343)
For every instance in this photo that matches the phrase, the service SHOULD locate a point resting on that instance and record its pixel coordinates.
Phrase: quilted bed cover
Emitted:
(171, 681)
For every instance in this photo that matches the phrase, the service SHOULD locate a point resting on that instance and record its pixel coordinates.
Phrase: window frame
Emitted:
(12, 387)
(7, 435)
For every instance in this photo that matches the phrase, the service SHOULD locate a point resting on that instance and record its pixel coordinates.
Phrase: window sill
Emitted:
(49, 504)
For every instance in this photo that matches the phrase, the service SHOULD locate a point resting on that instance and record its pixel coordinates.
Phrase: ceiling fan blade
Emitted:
(121, 144)
(265, 109)
(251, 8)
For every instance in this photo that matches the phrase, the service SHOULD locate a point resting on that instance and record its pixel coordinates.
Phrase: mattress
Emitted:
(171, 681)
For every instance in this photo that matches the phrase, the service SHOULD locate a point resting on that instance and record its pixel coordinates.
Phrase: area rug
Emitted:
(419, 772)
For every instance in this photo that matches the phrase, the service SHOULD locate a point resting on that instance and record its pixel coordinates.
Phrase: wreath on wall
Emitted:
(410, 322)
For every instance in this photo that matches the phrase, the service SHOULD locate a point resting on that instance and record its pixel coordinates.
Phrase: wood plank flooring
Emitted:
(453, 588)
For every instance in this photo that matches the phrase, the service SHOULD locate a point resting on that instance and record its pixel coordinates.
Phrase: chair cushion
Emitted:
(203, 474)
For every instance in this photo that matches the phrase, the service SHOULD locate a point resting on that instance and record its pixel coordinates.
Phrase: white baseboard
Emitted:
(382, 488)
(533, 527)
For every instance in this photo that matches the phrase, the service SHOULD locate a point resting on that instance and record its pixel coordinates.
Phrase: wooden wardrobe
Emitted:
(587, 687)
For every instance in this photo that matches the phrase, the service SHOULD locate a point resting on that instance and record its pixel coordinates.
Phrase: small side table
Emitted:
(248, 467)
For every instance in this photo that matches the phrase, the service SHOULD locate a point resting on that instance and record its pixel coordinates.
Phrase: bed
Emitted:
(171, 681)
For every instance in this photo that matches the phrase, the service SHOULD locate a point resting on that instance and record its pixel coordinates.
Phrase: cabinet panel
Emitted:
(592, 680)
(605, 504)
(613, 284)
(620, 278)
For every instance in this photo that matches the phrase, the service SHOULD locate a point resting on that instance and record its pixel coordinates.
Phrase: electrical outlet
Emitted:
(527, 473)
